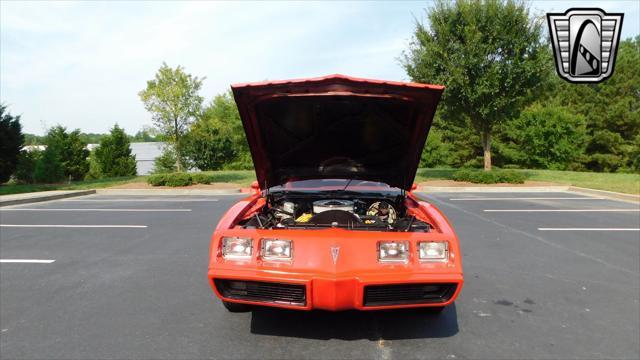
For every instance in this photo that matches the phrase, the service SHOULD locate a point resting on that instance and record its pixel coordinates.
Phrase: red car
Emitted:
(331, 222)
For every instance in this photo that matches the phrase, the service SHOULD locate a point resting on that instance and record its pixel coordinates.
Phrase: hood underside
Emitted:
(336, 127)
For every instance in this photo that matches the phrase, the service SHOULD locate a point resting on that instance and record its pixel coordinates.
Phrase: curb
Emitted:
(28, 198)
(493, 189)
(606, 194)
(169, 192)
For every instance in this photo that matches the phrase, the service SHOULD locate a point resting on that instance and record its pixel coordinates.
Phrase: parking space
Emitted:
(125, 277)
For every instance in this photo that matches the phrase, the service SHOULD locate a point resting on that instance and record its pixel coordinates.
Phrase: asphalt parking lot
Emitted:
(548, 275)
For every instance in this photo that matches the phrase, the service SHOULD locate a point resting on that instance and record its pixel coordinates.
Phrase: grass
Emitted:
(8, 189)
(240, 177)
(619, 182)
(625, 183)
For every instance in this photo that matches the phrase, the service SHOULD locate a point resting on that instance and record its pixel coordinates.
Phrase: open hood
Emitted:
(336, 127)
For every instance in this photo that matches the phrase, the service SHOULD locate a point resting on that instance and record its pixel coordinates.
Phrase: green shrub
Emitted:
(157, 179)
(70, 150)
(543, 137)
(26, 166)
(95, 170)
(114, 155)
(178, 179)
(11, 140)
(165, 163)
(489, 177)
(201, 178)
(48, 168)
(173, 179)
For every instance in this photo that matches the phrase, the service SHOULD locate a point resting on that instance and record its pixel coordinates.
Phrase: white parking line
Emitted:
(526, 198)
(563, 210)
(72, 226)
(106, 210)
(26, 261)
(589, 229)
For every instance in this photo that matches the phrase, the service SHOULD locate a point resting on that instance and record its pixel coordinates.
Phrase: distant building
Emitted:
(145, 152)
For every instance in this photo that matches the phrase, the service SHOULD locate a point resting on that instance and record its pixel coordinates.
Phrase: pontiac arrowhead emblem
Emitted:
(585, 43)
(334, 254)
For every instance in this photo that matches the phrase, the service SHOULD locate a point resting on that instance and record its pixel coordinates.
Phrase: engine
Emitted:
(356, 214)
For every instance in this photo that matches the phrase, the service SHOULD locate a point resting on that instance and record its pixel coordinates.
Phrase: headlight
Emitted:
(236, 248)
(433, 250)
(393, 251)
(276, 249)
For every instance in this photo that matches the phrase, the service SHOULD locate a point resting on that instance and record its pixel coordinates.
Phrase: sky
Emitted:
(82, 64)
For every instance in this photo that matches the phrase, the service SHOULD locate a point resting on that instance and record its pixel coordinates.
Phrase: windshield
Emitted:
(317, 185)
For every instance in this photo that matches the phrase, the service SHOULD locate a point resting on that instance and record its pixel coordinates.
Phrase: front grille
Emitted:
(289, 294)
(379, 295)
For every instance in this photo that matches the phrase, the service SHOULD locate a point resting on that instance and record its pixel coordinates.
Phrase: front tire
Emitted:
(236, 307)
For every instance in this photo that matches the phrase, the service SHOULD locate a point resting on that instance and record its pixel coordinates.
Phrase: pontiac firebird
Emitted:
(331, 222)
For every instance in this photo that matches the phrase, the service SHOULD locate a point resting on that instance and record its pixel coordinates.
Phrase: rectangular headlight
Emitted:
(433, 250)
(393, 251)
(277, 249)
(236, 248)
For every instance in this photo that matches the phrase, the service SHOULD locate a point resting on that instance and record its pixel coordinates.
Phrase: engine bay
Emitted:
(317, 212)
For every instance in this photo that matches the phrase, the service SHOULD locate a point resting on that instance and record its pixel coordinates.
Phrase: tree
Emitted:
(11, 140)
(49, 168)
(146, 134)
(172, 99)
(216, 138)
(489, 55)
(25, 169)
(165, 163)
(611, 110)
(114, 154)
(544, 137)
(69, 149)
(209, 145)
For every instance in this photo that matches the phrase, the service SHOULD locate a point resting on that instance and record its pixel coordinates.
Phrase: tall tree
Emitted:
(11, 140)
(490, 56)
(114, 154)
(70, 150)
(172, 99)
(611, 110)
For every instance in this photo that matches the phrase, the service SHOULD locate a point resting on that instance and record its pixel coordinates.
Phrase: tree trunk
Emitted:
(177, 137)
(486, 147)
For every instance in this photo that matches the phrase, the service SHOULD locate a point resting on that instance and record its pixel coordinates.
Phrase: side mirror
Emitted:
(414, 187)
(255, 187)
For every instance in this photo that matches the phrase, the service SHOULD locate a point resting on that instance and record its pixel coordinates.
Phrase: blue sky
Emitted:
(81, 64)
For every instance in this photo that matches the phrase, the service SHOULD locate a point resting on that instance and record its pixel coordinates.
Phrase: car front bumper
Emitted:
(304, 291)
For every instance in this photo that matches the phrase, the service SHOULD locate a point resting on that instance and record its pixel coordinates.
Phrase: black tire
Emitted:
(236, 307)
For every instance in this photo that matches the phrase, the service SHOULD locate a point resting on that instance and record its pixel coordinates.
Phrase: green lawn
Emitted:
(7, 189)
(241, 177)
(625, 183)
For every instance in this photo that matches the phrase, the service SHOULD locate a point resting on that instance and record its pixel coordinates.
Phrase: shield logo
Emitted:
(585, 43)
(334, 254)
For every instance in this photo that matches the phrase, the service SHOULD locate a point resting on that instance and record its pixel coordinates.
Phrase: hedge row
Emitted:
(489, 177)
(181, 179)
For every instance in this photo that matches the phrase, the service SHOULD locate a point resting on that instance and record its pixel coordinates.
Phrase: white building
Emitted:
(145, 153)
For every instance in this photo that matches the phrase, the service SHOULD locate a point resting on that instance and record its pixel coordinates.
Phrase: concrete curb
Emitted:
(169, 192)
(606, 194)
(492, 189)
(27, 198)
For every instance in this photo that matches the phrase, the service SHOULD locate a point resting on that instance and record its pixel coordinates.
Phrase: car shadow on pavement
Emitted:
(355, 325)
